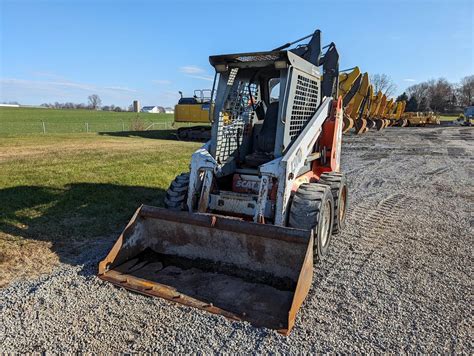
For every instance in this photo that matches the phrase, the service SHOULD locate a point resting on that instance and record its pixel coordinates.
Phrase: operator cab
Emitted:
(201, 96)
(265, 127)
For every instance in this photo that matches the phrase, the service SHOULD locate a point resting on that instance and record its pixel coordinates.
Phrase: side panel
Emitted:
(302, 100)
(192, 113)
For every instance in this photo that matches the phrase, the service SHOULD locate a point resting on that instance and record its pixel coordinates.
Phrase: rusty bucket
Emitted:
(239, 269)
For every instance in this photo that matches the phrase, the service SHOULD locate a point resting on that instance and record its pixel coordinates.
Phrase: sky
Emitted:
(66, 50)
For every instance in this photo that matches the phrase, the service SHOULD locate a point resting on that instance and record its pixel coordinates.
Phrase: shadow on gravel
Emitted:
(80, 222)
(153, 134)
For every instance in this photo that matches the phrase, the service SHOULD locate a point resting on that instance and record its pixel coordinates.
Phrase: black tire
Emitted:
(340, 193)
(177, 193)
(312, 209)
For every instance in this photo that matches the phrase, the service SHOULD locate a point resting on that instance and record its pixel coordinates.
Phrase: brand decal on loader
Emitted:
(247, 184)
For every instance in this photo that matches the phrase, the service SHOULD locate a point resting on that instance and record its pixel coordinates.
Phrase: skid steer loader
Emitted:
(241, 231)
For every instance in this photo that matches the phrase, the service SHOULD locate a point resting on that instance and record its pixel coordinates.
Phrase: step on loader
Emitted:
(241, 231)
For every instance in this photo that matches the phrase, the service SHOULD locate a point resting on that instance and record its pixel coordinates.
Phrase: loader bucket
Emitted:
(242, 270)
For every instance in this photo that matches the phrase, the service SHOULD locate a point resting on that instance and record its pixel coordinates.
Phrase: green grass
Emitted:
(61, 192)
(14, 121)
(448, 117)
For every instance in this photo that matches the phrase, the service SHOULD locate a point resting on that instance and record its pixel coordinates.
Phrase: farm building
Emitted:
(151, 109)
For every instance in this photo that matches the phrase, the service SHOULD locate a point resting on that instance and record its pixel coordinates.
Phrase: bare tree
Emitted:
(383, 83)
(419, 92)
(435, 94)
(439, 93)
(94, 101)
(466, 91)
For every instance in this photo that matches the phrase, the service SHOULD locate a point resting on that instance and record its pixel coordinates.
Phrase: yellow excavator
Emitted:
(397, 117)
(349, 83)
(387, 113)
(364, 109)
(194, 110)
(355, 89)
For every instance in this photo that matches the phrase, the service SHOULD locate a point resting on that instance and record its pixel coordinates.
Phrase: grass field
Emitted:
(61, 192)
(14, 121)
(448, 117)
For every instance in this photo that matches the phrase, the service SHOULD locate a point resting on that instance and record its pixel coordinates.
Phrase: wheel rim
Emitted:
(326, 221)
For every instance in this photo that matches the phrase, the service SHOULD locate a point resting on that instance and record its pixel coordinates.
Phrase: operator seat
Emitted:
(265, 140)
(264, 143)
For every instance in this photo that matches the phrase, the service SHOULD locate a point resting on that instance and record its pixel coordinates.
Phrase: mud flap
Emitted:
(242, 270)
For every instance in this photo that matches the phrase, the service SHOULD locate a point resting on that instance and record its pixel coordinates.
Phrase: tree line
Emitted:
(94, 103)
(439, 95)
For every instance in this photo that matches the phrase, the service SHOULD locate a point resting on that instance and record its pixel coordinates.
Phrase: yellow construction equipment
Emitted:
(398, 115)
(359, 103)
(363, 109)
(371, 108)
(349, 83)
(194, 110)
(386, 114)
(421, 118)
(378, 114)
(241, 230)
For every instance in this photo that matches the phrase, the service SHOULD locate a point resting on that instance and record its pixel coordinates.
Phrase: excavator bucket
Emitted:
(242, 270)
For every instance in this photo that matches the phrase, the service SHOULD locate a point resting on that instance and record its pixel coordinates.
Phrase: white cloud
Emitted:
(162, 81)
(191, 69)
(196, 72)
(203, 77)
(121, 89)
(409, 80)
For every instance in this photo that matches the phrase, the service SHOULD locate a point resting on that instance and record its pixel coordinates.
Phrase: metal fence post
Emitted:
(123, 126)
(87, 127)
(44, 127)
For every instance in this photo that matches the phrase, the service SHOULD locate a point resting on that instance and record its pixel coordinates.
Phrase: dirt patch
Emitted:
(24, 259)
(68, 148)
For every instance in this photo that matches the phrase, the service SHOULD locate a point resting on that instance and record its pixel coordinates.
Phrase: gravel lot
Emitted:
(397, 279)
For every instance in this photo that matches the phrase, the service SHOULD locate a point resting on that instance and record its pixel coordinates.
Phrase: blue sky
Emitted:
(148, 50)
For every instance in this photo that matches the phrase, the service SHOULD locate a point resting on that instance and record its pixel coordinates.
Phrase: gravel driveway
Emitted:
(397, 279)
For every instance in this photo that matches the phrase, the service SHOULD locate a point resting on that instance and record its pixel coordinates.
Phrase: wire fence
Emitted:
(45, 127)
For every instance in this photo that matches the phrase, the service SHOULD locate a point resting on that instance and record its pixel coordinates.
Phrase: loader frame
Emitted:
(239, 253)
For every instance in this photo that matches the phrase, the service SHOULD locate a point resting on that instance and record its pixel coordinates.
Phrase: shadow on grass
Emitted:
(153, 134)
(75, 218)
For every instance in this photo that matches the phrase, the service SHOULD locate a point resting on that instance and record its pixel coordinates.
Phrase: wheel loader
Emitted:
(241, 231)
